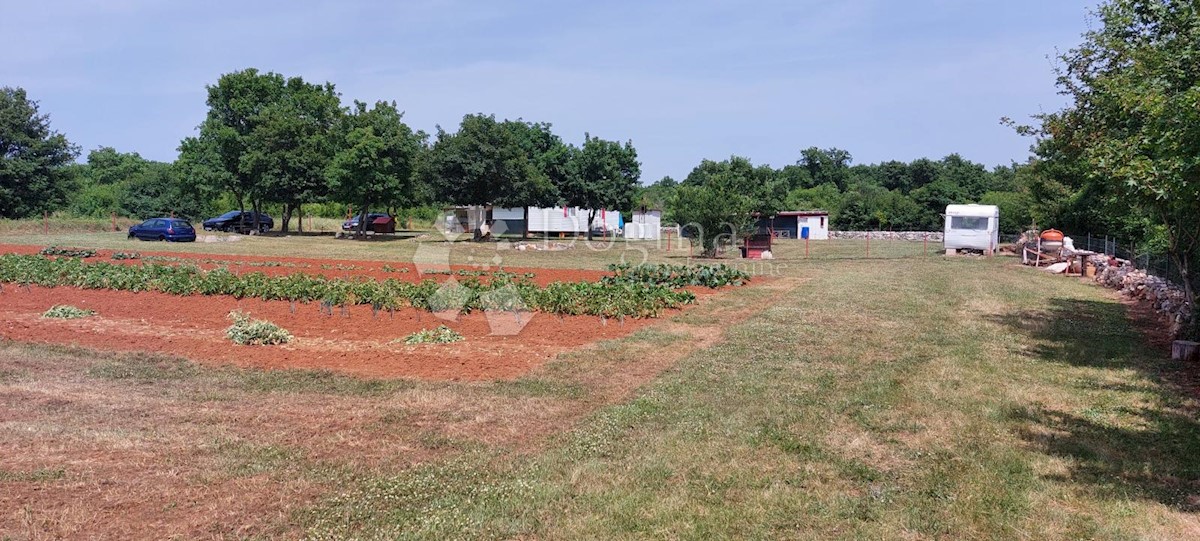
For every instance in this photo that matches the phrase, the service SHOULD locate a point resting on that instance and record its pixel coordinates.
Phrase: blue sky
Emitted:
(684, 80)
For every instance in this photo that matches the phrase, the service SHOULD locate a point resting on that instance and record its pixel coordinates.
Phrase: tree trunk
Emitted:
(300, 218)
(362, 219)
(525, 217)
(286, 218)
(591, 216)
(255, 206)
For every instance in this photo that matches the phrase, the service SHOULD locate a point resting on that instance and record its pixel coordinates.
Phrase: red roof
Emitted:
(803, 213)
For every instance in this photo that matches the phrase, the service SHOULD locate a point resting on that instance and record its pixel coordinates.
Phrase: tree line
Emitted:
(284, 143)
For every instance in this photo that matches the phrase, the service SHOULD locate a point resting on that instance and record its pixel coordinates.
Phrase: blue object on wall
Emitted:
(804, 232)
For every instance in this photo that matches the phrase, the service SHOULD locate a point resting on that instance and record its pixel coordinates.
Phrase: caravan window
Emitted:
(972, 223)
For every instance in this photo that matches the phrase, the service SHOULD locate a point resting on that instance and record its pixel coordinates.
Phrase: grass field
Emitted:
(904, 396)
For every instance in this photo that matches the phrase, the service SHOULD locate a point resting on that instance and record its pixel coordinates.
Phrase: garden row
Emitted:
(678, 275)
(504, 291)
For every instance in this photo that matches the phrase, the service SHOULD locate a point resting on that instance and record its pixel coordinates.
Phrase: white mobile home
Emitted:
(511, 221)
(972, 227)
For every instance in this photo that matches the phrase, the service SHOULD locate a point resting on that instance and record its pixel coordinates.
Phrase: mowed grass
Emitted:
(955, 399)
(431, 247)
(904, 396)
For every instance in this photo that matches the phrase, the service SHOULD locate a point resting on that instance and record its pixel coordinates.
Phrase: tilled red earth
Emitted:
(332, 268)
(357, 341)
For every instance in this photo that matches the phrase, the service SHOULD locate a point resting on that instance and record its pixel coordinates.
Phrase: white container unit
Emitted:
(972, 227)
(646, 225)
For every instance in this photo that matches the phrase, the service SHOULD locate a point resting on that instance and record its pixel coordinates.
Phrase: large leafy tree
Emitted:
(378, 160)
(1134, 123)
(293, 144)
(33, 158)
(484, 163)
(266, 138)
(718, 202)
(550, 156)
(604, 175)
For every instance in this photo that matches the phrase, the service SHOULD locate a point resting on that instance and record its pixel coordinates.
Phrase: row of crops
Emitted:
(677, 275)
(504, 291)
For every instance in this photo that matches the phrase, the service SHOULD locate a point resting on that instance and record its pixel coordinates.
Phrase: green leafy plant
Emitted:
(441, 335)
(120, 256)
(247, 332)
(677, 275)
(68, 252)
(66, 311)
(609, 298)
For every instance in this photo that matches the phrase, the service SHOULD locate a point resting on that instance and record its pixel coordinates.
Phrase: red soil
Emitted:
(357, 342)
(335, 268)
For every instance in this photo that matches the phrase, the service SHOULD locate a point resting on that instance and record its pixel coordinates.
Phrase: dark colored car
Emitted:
(172, 229)
(352, 223)
(239, 221)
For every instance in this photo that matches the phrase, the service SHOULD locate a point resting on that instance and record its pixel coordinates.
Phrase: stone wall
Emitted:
(934, 236)
(1166, 298)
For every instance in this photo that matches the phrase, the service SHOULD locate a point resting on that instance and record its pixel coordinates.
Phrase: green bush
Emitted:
(678, 275)
(249, 332)
(66, 311)
(441, 335)
(68, 252)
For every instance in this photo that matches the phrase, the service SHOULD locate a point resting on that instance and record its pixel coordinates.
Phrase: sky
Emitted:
(685, 80)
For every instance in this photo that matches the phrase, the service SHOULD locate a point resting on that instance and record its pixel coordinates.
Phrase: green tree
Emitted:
(33, 158)
(657, 195)
(265, 139)
(483, 163)
(604, 175)
(711, 215)
(549, 155)
(830, 166)
(1015, 216)
(762, 184)
(378, 160)
(293, 144)
(1135, 117)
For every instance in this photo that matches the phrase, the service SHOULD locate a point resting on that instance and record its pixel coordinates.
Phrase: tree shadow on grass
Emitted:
(1124, 448)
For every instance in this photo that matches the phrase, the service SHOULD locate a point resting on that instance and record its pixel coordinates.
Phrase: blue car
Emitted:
(171, 229)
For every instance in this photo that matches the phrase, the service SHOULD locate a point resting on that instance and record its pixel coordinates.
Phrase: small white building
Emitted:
(798, 224)
(972, 227)
(646, 225)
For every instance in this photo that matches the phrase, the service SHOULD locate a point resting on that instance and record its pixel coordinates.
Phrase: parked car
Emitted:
(239, 221)
(352, 223)
(171, 229)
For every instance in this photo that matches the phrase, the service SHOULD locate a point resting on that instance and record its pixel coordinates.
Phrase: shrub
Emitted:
(677, 275)
(68, 252)
(441, 335)
(66, 311)
(249, 332)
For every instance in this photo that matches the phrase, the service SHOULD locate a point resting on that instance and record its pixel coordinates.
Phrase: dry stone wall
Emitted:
(933, 236)
(1167, 298)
